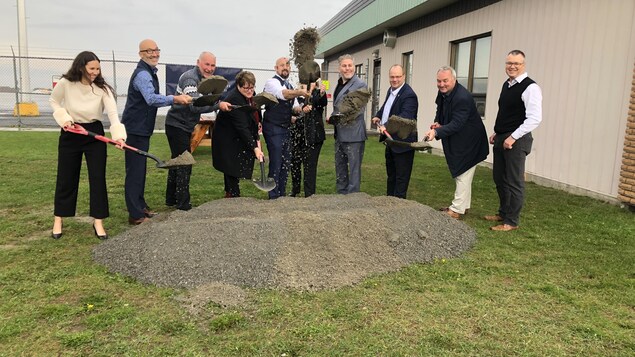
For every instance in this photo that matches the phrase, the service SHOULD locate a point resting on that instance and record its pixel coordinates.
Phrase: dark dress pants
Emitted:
(509, 176)
(398, 170)
(177, 192)
(136, 176)
(304, 158)
(71, 148)
(279, 148)
(232, 186)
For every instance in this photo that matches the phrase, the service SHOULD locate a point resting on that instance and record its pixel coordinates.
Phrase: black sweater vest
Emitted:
(511, 109)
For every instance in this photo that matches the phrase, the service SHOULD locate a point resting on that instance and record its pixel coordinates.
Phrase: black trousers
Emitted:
(509, 176)
(135, 184)
(232, 186)
(71, 148)
(304, 158)
(177, 192)
(398, 170)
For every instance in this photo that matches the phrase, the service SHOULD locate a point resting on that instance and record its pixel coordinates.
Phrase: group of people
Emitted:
(293, 131)
(462, 133)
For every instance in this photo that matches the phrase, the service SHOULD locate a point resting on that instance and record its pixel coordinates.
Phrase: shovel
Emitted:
(206, 100)
(244, 107)
(265, 183)
(185, 159)
(419, 145)
(212, 85)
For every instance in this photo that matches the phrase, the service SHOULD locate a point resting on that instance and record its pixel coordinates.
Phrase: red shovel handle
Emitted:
(78, 129)
(382, 130)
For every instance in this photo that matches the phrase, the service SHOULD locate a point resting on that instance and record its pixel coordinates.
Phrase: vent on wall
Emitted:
(390, 38)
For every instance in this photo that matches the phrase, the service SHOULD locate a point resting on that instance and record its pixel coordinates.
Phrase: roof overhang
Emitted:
(361, 20)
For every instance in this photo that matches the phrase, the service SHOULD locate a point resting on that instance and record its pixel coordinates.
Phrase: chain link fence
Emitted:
(26, 84)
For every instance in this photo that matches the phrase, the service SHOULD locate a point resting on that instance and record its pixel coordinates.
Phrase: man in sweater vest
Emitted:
(139, 117)
(276, 122)
(519, 113)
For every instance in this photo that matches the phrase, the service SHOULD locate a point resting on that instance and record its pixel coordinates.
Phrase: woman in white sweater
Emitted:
(81, 97)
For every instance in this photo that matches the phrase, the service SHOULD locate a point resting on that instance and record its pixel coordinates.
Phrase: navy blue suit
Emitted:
(399, 159)
(462, 132)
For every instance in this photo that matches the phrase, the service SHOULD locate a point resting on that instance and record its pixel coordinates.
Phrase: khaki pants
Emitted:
(463, 192)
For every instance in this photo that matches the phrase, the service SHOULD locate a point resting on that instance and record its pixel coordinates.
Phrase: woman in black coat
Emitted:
(235, 138)
(307, 136)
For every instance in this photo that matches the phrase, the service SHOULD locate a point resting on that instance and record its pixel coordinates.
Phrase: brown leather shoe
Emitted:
(494, 218)
(451, 213)
(138, 221)
(504, 228)
(149, 213)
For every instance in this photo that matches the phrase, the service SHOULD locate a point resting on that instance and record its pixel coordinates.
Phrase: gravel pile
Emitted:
(321, 242)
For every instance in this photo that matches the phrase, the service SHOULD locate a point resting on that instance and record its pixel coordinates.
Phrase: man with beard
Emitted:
(139, 117)
(275, 124)
(350, 138)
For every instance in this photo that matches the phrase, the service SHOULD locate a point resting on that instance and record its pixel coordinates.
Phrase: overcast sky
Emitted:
(241, 33)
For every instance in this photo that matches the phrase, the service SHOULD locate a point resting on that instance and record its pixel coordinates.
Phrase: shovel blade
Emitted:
(266, 185)
(185, 159)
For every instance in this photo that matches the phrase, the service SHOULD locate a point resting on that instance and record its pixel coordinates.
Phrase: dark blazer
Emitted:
(406, 106)
(234, 138)
(355, 131)
(462, 132)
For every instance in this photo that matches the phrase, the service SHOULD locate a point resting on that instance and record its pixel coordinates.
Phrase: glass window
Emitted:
(359, 70)
(407, 65)
(470, 59)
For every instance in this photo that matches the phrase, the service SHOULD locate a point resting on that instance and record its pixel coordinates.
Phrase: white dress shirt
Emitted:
(532, 98)
(388, 105)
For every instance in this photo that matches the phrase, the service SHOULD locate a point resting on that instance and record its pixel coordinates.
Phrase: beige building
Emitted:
(580, 52)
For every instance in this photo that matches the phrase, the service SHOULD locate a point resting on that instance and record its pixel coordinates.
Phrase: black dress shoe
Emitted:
(104, 237)
(56, 235)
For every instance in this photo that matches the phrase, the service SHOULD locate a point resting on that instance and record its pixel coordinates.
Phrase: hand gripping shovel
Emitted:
(265, 183)
(185, 159)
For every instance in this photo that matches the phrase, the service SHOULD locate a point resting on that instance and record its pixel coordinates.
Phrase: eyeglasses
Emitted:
(151, 51)
(515, 64)
(247, 88)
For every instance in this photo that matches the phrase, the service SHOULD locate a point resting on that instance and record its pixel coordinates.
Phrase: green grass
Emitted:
(562, 285)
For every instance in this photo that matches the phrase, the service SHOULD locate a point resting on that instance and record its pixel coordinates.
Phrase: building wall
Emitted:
(580, 52)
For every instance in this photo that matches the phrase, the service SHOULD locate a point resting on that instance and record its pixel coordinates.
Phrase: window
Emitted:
(407, 65)
(470, 59)
(359, 70)
(376, 85)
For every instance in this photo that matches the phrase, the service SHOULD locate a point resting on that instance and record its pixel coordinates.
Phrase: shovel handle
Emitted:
(382, 130)
(262, 156)
(78, 129)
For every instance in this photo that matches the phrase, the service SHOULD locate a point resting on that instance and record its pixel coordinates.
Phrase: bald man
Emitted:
(179, 125)
(275, 124)
(139, 117)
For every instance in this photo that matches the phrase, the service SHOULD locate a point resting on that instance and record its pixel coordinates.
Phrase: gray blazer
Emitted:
(355, 131)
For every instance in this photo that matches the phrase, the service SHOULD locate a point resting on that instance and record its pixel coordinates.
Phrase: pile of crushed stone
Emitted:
(320, 242)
